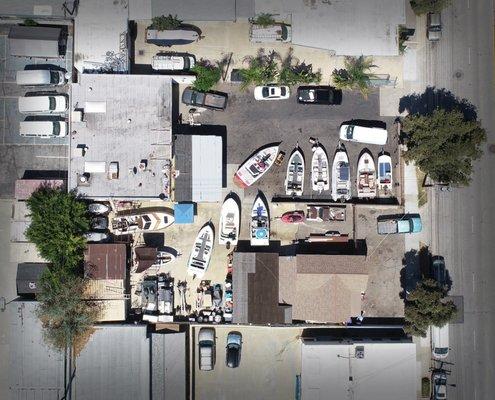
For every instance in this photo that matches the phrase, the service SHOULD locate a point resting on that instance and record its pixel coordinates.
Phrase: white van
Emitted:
(37, 77)
(362, 134)
(43, 129)
(440, 341)
(271, 33)
(56, 103)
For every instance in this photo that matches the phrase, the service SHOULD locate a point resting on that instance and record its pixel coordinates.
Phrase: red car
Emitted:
(293, 217)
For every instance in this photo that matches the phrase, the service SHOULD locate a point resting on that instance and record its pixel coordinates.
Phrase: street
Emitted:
(463, 219)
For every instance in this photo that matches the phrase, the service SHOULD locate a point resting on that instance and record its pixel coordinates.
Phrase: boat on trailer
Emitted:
(385, 180)
(366, 176)
(256, 166)
(319, 169)
(139, 220)
(294, 181)
(341, 176)
(229, 222)
(201, 251)
(260, 223)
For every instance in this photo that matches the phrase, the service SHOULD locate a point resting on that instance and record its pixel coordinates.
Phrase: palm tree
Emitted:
(262, 69)
(356, 75)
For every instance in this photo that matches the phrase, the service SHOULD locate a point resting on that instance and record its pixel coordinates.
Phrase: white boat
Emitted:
(366, 176)
(229, 222)
(294, 181)
(141, 220)
(254, 168)
(260, 223)
(201, 251)
(319, 169)
(385, 181)
(341, 176)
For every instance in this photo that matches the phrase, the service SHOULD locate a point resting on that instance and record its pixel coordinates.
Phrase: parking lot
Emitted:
(270, 362)
(22, 153)
(252, 124)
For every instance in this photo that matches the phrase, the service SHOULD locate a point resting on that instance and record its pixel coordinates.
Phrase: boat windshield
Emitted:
(349, 131)
(344, 171)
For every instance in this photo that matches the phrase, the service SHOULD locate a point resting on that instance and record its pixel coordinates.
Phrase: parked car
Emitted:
(96, 236)
(206, 345)
(171, 37)
(98, 208)
(271, 92)
(434, 27)
(44, 129)
(40, 77)
(277, 32)
(211, 100)
(293, 217)
(234, 347)
(439, 380)
(99, 223)
(440, 341)
(319, 95)
(363, 134)
(173, 62)
(43, 104)
(438, 271)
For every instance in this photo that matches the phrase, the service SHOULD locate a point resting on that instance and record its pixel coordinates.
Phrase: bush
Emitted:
(443, 145)
(294, 75)
(425, 6)
(263, 19)
(356, 75)
(262, 69)
(166, 22)
(425, 387)
(207, 76)
(425, 306)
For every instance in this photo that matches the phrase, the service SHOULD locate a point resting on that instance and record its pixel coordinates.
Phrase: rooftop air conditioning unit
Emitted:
(359, 352)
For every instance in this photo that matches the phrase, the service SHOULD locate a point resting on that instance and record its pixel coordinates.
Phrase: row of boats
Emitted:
(367, 183)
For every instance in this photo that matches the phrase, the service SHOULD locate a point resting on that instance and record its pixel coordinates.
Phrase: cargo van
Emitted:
(271, 33)
(43, 129)
(37, 104)
(38, 77)
(363, 134)
(440, 341)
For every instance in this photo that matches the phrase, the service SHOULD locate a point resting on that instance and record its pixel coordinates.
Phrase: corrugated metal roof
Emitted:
(206, 168)
(183, 164)
(105, 261)
(168, 366)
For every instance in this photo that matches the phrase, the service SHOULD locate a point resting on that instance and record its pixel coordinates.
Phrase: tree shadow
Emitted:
(416, 266)
(431, 99)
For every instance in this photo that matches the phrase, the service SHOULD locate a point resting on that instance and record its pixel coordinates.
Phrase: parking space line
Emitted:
(52, 156)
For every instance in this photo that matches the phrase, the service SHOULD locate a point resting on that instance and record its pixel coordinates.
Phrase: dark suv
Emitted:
(319, 95)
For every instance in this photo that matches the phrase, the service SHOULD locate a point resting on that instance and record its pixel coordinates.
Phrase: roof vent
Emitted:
(359, 352)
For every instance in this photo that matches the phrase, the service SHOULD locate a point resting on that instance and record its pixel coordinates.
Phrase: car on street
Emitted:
(271, 92)
(438, 271)
(98, 208)
(439, 380)
(211, 100)
(234, 347)
(319, 95)
(440, 341)
(206, 349)
(293, 217)
(434, 27)
(99, 223)
(173, 62)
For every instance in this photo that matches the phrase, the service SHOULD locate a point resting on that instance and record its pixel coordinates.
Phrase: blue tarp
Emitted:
(184, 213)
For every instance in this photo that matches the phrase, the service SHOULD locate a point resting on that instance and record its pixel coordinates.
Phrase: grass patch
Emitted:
(425, 387)
(422, 194)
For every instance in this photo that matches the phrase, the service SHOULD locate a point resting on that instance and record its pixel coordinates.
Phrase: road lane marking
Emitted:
(473, 282)
(52, 156)
(474, 339)
(469, 55)
(472, 223)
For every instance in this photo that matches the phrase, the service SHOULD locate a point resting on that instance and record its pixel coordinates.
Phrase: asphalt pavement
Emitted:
(463, 219)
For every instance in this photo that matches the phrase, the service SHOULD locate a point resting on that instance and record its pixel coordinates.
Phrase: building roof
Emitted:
(105, 261)
(351, 27)
(184, 213)
(195, 10)
(323, 288)
(32, 8)
(36, 371)
(168, 366)
(332, 370)
(134, 134)
(145, 257)
(199, 160)
(256, 295)
(24, 188)
(28, 276)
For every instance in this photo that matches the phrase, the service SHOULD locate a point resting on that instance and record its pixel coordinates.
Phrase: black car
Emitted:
(234, 346)
(212, 100)
(319, 95)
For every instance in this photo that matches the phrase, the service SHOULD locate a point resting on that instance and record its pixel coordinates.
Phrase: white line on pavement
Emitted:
(473, 282)
(52, 156)
(469, 55)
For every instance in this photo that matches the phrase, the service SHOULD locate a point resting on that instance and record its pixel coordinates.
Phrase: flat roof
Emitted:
(136, 128)
(105, 261)
(196, 10)
(97, 43)
(28, 276)
(332, 371)
(31, 8)
(351, 27)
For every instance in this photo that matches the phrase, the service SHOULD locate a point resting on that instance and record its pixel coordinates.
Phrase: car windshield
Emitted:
(285, 32)
(441, 350)
(56, 128)
(440, 382)
(349, 131)
(282, 91)
(265, 92)
(54, 77)
(51, 103)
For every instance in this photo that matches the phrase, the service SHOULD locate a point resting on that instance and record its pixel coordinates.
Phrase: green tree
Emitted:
(165, 22)
(443, 144)
(425, 6)
(58, 222)
(295, 75)
(261, 69)
(356, 75)
(426, 306)
(207, 75)
(263, 19)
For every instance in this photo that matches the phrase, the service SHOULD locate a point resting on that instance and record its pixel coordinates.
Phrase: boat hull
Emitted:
(255, 167)
(385, 180)
(141, 220)
(202, 248)
(229, 222)
(260, 223)
(366, 176)
(319, 170)
(341, 182)
(294, 180)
